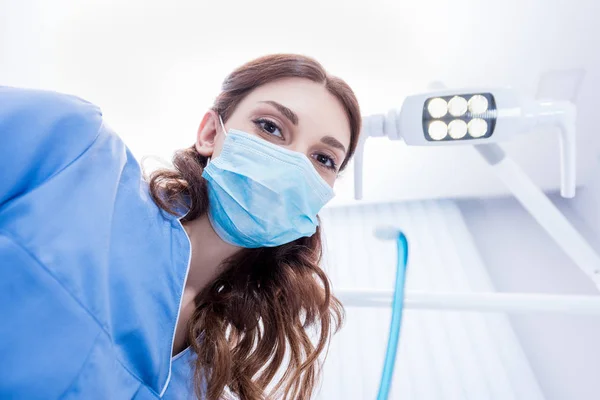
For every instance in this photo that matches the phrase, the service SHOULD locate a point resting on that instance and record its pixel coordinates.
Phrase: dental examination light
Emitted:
(473, 117)
(483, 118)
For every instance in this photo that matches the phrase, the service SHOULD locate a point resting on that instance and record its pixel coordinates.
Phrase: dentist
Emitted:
(193, 282)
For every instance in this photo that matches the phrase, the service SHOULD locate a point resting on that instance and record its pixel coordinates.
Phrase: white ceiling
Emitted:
(155, 67)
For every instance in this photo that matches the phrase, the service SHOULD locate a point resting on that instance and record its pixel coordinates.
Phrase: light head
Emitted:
(473, 117)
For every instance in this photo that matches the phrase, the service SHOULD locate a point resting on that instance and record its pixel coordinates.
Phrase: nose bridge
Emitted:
(299, 144)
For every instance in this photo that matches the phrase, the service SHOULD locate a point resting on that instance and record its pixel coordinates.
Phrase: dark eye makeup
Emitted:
(269, 127)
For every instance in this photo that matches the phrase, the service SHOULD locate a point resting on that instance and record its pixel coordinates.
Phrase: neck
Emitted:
(209, 252)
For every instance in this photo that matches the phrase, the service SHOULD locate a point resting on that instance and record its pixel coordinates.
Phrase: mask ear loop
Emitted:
(222, 125)
(224, 133)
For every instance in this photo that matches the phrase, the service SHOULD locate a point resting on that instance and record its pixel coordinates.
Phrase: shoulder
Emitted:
(41, 133)
(45, 111)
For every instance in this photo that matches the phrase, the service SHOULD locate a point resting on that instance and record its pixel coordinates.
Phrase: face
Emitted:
(294, 113)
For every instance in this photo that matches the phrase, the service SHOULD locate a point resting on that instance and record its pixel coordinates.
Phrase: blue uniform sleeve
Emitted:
(46, 335)
(41, 133)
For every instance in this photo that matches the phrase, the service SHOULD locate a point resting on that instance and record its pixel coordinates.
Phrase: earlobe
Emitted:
(207, 132)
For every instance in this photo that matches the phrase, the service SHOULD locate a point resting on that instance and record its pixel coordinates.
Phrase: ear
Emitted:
(207, 132)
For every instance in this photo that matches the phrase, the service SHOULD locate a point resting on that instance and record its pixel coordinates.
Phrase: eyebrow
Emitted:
(333, 142)
(289, 114)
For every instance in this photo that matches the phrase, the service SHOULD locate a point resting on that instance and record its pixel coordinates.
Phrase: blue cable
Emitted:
(397, 306)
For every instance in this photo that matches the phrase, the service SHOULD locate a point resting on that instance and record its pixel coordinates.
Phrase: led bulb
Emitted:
(478, 104)
(457, 129)
(438, 130)
(437, 107)
(477, 127)
(457, 106)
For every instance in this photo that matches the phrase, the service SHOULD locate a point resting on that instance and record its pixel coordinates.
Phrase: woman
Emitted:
(198, 281)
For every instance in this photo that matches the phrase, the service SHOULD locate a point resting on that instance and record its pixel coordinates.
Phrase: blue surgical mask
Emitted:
(261, 194)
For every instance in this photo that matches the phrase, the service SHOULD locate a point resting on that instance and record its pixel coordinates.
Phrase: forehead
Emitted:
(318, 110)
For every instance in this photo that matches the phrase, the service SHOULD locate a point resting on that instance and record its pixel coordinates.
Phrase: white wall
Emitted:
(564, 351)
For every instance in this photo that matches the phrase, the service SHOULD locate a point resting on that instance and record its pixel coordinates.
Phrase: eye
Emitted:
(326, 161)
(268, 127)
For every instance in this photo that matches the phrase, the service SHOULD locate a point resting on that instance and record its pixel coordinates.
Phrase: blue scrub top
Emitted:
(91, 270)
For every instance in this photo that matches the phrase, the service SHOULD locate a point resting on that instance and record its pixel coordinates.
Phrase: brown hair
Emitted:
(265, 303)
